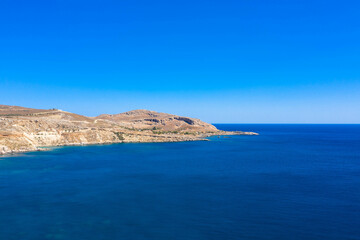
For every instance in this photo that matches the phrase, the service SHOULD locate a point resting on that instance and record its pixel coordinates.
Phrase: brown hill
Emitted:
(145, 119)
(27, 129)
(6, 110)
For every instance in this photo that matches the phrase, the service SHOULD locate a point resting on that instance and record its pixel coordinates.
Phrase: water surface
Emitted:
(291, 182)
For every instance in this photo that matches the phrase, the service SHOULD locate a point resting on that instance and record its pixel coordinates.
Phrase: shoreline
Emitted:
(201, 137)
(28, 129)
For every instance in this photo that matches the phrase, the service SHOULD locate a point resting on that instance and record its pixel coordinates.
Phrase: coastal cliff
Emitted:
(26, 129)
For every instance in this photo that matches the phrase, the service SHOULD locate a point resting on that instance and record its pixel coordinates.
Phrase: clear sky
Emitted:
(241, 61)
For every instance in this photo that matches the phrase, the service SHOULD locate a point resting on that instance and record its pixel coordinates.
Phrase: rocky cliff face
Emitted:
(26, 129)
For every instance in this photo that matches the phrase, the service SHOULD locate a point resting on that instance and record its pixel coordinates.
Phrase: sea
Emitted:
(292, 182)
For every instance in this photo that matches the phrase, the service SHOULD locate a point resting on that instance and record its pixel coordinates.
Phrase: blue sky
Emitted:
(221, 61)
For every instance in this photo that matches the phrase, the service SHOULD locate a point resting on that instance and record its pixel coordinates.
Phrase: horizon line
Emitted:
(297, 123)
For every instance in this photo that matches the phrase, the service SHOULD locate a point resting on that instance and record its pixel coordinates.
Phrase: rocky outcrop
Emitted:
(25, 129)
(145, 119)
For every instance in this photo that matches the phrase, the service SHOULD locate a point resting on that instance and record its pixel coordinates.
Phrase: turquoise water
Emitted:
(291, 182)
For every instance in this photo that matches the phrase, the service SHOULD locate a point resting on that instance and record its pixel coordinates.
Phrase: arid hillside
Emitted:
(27, 129)
(145, 119)
(6, 110)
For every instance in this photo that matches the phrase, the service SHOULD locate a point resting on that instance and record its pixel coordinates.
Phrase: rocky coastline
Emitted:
(27, 129)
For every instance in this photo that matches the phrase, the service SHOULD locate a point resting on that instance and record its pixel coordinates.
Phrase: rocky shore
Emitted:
(26, 129)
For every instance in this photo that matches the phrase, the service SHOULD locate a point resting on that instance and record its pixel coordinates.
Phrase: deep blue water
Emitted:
(291, 182)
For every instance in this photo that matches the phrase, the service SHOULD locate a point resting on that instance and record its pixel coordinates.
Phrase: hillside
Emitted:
(145, 119)
(27, 129)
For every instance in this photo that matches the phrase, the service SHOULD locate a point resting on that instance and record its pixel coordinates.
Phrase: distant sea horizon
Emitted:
(288, 123)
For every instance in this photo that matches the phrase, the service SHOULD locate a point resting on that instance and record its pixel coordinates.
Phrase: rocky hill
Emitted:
(27, 129)
(145, 119)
